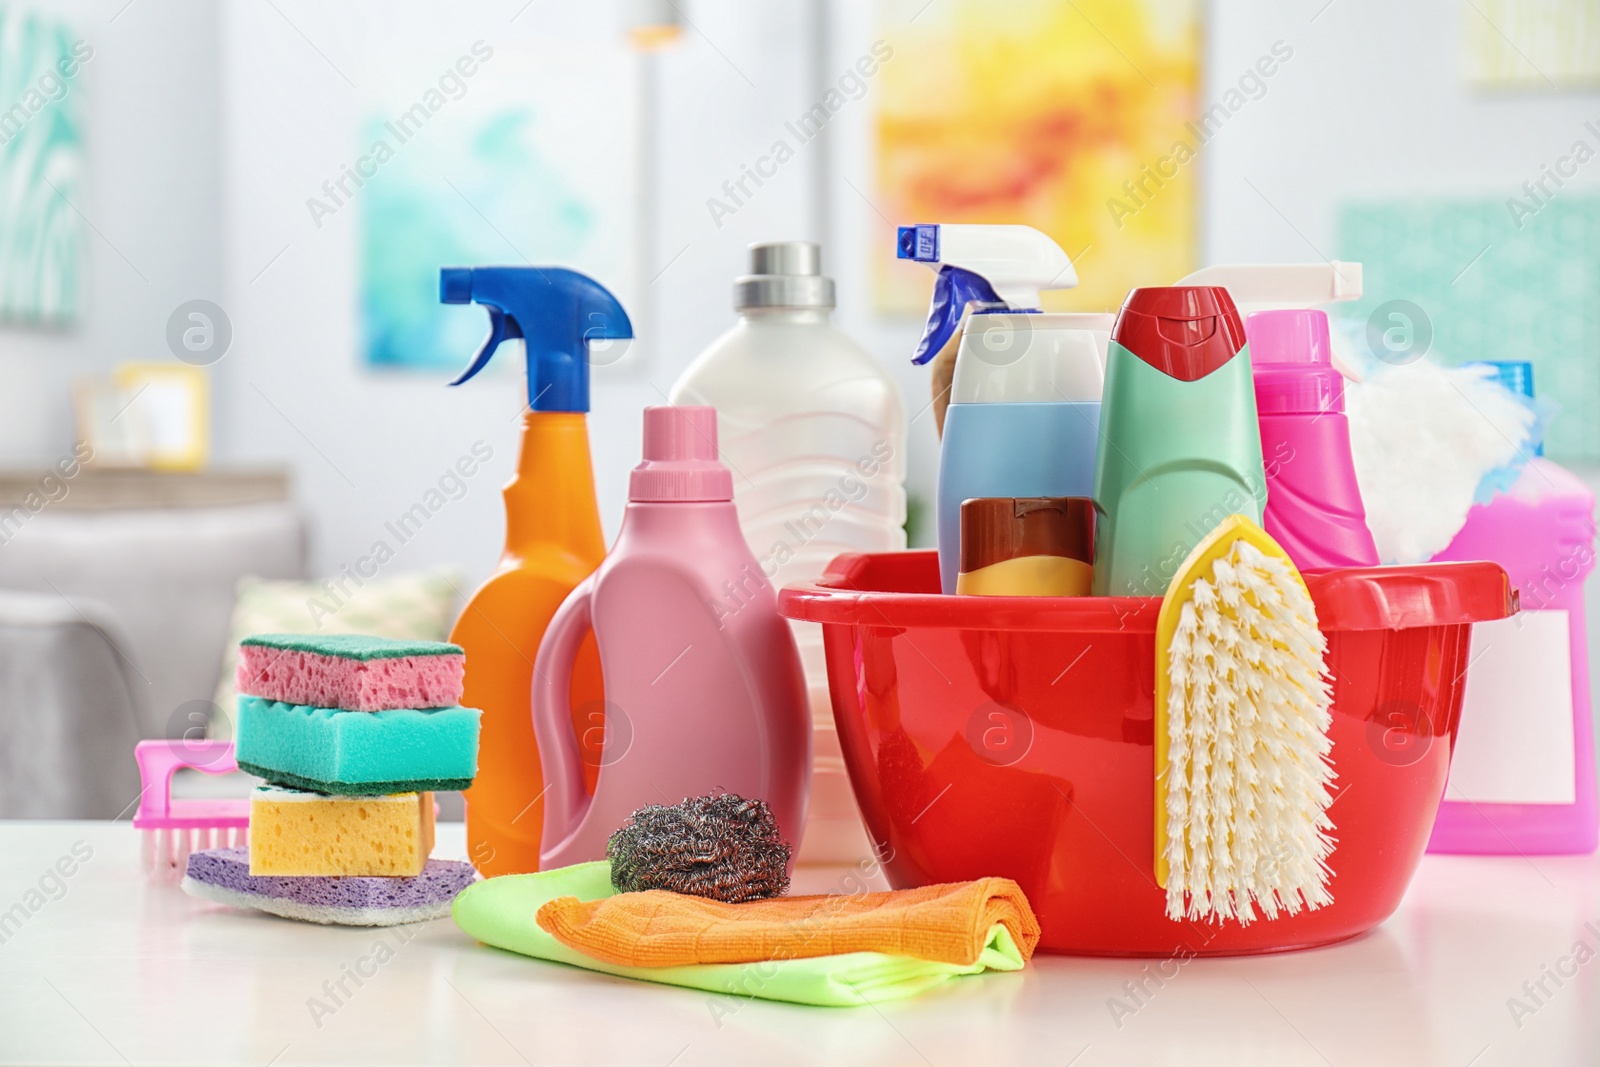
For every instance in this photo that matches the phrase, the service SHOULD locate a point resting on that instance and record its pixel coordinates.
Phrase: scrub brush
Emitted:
(1241, 734)
(722, 846)
(173, 829)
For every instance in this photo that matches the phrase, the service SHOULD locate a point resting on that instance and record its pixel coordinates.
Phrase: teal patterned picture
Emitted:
(41, 169)
(512, 155)
(1497, 280)
(504, 201)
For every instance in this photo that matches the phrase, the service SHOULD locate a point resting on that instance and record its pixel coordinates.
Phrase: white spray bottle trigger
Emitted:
(1276, 286)
(1001, 268)
(1016, 261)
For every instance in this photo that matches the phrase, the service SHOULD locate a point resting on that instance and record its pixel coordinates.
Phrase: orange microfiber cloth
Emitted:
(945, 923)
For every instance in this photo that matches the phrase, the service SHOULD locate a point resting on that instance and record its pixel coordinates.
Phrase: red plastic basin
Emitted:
(1013, 736)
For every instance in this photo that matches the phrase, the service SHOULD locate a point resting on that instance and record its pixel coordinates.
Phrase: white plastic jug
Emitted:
(813, 429)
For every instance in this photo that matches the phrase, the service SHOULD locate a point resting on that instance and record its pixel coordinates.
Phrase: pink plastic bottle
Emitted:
(703, 687)
(1314, 507)
(1522, 772)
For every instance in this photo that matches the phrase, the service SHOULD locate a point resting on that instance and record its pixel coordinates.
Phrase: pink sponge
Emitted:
(350, 671)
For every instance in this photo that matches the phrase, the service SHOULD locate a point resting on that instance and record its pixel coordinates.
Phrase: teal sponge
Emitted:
(357, 752)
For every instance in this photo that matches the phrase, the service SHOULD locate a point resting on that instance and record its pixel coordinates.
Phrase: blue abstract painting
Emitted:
(487, 178)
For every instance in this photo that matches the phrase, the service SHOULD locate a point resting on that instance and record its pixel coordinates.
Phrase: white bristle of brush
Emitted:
(1249, 773)
(165, 853)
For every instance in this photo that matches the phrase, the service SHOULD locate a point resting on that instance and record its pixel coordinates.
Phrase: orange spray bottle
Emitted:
(553, 542)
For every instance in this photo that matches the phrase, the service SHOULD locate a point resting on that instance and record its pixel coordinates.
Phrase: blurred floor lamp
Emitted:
(652, 27)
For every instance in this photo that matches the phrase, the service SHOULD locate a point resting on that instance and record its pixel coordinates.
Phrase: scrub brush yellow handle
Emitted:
(1241, 734)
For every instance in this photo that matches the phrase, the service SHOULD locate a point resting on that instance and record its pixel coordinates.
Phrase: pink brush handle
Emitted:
(159, 761)
(566, 801)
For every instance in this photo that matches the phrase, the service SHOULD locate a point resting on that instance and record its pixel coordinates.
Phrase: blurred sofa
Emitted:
(114, 616)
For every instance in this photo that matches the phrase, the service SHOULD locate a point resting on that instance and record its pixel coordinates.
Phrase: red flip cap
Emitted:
(1183, 331)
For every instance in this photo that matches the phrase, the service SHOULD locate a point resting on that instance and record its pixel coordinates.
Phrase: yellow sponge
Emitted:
(299, 833)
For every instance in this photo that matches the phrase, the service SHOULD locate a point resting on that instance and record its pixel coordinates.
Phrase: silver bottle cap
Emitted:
(785, 274)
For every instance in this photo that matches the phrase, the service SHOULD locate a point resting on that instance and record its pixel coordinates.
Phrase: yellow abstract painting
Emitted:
(1065, 115)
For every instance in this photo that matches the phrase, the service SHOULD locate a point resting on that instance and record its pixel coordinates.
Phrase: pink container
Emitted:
(703, 687)
(1314, 507)
(1522, 778)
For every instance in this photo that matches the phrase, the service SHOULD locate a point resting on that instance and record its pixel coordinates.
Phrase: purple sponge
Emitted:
(223, 875)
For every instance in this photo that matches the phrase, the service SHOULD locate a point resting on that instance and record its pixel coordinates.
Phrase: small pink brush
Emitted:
(174, 828)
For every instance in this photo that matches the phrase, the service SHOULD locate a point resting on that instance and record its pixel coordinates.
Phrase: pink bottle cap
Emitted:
(1293, 363)
(680, 458)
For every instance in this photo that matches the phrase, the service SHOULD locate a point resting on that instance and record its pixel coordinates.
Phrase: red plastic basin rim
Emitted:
(1349, 598)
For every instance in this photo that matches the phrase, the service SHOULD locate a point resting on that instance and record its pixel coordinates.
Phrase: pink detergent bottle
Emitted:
(1522, 771)
(1314, 507)
(703, 687)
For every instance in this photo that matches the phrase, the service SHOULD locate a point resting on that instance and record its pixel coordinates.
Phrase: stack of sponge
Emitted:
(352, 735)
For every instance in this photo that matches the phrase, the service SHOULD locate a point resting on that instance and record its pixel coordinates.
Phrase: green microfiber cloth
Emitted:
(502, 912)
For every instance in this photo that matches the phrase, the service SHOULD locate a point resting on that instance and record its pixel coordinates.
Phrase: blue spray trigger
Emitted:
(557, 312)
(501, 328)
(953, 290)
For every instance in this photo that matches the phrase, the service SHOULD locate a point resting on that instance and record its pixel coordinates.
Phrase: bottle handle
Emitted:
(566, 802)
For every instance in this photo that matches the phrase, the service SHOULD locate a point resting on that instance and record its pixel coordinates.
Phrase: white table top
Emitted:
(115, 970)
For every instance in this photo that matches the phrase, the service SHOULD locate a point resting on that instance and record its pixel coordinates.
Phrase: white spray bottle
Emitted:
(1024, 411)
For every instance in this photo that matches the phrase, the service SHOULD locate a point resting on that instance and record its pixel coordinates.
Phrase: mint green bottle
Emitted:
(1180, 447)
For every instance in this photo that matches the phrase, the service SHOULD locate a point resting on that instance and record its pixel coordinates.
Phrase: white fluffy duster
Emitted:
(1422, 437)
(1247, 726)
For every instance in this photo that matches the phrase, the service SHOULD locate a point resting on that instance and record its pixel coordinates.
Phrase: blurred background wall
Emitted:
(210, 126)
